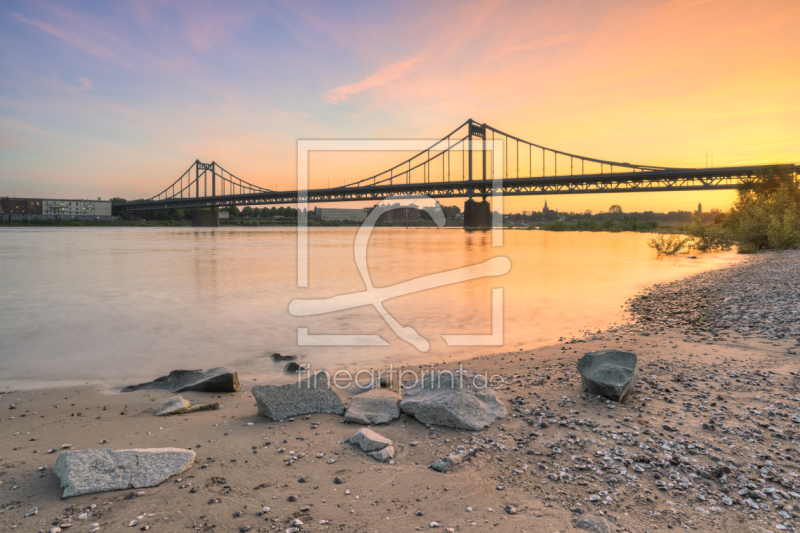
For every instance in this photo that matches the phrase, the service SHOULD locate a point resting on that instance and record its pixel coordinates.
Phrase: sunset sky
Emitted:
(102, 99)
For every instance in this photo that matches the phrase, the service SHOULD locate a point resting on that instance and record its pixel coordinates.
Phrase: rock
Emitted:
(292, 368)
(311, 395)
(383, 455)
(218, 379)
(454, 398)
(444, 465)
(178, 406)
(382, 383)
(100, 470)
(377, 406)
(369, 441)
(596, 524)
(611, 373)
(173, 406)
(281, 357)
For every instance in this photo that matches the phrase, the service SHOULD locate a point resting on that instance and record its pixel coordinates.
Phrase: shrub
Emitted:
(669, 244)
(708, 238)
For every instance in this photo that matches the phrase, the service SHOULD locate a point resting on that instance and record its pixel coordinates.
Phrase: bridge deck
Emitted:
(637, 181)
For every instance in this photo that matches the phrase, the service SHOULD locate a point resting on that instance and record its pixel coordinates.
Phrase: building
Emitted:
(55, 208)
(398, 214)
(224, 215)
(335, 214)
(20, 206)
(77, 208)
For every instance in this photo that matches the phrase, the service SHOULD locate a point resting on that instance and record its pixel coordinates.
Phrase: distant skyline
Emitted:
(117, 99)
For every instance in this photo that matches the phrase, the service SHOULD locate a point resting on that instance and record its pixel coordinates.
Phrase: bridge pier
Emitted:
(205, 219)
(477, 215)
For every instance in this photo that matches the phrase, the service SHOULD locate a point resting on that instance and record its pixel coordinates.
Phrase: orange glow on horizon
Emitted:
(649, 82)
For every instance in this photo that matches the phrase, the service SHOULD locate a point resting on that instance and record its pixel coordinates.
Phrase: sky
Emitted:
(103, 99)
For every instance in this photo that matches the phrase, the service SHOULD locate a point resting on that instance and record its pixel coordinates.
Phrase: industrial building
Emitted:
(342, 215)
(49, 208)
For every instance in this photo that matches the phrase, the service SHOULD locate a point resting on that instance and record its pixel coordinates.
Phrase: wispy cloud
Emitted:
(385, 75)
(99, 51)
(539, 44)
(84, 84)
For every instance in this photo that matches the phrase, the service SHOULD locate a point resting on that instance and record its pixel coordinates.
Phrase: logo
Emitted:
(376, 296)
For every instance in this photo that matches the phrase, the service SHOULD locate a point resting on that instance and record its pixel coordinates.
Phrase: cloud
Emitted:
(99, 51)
(84, 84)
(539, 44)
(382, 77)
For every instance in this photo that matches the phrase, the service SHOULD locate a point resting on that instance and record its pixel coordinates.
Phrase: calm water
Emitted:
(116, 306)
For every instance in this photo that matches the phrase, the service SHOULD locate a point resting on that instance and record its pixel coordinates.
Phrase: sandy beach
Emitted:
(707, 440)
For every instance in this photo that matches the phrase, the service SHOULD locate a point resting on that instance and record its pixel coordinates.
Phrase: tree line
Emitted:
(765, 216)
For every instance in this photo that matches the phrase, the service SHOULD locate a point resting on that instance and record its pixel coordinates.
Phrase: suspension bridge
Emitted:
(474, 160)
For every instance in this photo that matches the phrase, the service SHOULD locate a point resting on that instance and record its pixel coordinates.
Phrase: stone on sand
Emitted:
(595, 524)
(218, 379)
(378, 406)
(610, 373)
(311, 395)
(381, 383)
(177, 405)
(100, 470)
(369, 441)
(444, 465)
(282, 357)
(383, 455)
(454, 398)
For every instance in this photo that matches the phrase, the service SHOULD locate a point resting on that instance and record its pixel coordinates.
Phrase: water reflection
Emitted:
(116, 305)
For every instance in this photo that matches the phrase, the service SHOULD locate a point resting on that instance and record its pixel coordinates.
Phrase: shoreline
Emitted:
(729, 397)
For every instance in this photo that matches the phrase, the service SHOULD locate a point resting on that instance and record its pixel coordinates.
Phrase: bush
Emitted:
(669, 244)
(708, 238)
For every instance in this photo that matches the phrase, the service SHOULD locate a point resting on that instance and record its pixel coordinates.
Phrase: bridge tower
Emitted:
(477, 215)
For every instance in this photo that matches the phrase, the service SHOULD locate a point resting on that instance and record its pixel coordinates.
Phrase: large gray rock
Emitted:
(378, 406)
(454, 398)
(215, 380)
(611, 373)
(178, 406)
(101, 470)
(311, 395)
(369, 441)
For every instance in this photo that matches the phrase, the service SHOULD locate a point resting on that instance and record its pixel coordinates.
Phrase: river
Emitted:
(115, 306)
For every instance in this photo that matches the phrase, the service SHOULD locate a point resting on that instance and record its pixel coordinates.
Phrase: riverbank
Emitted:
(706, 441)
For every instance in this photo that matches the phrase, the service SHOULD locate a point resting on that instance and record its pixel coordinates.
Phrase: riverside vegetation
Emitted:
(765, 216)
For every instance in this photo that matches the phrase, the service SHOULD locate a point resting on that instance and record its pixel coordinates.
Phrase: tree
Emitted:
(233, 211)
(766, 214)
(247, 212)
(615, 209)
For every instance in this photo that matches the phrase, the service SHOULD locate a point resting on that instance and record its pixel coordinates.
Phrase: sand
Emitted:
(235, 466)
